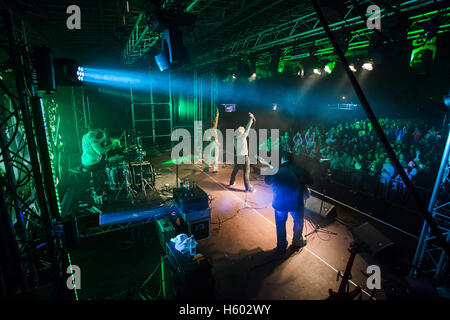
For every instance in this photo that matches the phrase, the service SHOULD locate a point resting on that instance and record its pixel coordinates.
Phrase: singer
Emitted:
(241, 160)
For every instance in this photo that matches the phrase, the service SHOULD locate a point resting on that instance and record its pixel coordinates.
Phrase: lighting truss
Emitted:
(95, 231)
(304, 30)
(142, 38)
(140, 41)
(430, 257)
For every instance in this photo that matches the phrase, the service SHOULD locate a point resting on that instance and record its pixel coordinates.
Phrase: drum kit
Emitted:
(130, 173)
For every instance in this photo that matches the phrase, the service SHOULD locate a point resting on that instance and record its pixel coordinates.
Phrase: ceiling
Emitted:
(106, 24)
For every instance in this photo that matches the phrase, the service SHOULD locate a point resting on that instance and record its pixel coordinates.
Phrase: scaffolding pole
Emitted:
(430, 257)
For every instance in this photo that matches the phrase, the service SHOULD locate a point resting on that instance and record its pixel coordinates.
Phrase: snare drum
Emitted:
(119, 175)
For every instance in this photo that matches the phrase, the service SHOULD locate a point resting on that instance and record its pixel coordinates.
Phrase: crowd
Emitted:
(350, 147)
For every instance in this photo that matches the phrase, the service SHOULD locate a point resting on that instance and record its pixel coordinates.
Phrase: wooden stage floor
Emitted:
(243, 236)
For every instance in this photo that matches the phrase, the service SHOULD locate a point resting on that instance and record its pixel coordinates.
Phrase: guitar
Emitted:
(343, 293)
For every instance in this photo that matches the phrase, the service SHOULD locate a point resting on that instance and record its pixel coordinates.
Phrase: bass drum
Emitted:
(119, 176)
(143, 174)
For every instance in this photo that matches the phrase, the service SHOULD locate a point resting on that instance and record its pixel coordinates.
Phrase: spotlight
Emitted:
(352, 67)
(447, 100)
(329, 67)
(423, 54)
(317, 71)
(343, 97)
(281, 65)
(80, 74)
(68, 72)
(253, 77)
(234, 76)
(368, 66)
(275, 107)
(300, 70)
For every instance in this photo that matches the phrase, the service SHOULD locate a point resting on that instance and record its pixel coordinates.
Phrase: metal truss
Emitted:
(304, 30)
(142, 38)
(29, 202)
(95, 231)
(80, 112)
(430, 257)
(140, 41)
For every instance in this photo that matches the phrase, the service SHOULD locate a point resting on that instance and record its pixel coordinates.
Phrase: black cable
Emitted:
(375, 124)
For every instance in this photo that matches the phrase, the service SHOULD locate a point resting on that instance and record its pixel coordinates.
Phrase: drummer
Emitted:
(95, 145)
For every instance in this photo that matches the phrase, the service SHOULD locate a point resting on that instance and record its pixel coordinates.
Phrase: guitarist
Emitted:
(289, 185)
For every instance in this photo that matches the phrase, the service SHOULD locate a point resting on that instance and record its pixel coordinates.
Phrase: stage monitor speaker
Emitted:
(319, 207)
(374, 242)
(173, 52)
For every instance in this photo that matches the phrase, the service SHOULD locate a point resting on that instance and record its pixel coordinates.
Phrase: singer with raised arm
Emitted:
(241, 160)
(214, 153)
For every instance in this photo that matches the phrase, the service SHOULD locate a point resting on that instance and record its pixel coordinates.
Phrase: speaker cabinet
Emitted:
(374, 242)
(173, 52)
(319, 207)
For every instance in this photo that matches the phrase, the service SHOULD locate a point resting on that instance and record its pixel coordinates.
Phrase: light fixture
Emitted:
(368, 66)
(329, 67)
(317, 71)
(80, 73)
(234, 76)
(253, 77)
(275, 106)
(352, 67)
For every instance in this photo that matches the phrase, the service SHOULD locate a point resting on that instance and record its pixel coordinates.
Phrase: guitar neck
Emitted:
(347, 272)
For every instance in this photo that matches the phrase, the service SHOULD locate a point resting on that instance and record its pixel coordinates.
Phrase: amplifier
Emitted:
(165, 230)
(191, 216)
(191, 275)
(198, 223)
(193, 199)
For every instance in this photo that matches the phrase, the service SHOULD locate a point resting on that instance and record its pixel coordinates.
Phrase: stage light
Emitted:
(234, 76)
(329, 67)
(253, 77)
(68, 72)
(343, 97)
(447, 100)
(275, 107)
(352, 67)
(368, 66)
(300, 70)
(80, 73)
(423, 54)
(317, 71)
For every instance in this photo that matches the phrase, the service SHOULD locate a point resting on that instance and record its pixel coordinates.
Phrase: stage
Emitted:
(240, 246)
